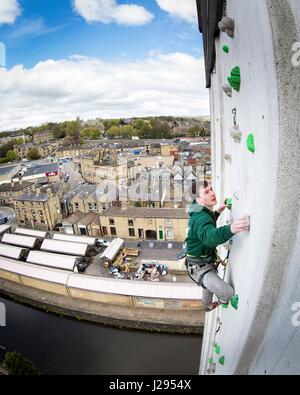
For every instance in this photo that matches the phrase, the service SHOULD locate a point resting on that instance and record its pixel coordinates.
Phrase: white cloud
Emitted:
(171, 84)
(182, 9)
(9, 11)
(108, 11)
(33, 28)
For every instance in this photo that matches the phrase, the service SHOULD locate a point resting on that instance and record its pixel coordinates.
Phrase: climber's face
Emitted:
(207, 196)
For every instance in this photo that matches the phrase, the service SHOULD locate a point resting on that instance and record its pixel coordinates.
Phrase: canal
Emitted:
(60, 346)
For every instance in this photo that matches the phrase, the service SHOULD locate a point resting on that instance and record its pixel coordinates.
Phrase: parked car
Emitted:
(103, 243)
(81, 266)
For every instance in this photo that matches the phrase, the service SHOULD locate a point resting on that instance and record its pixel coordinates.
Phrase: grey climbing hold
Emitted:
(227, 26)
(228, 157)
(236, 195)
(228, 90)
(236, 134)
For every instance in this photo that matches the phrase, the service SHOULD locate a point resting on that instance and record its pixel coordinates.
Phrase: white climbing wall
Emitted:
(264, 268)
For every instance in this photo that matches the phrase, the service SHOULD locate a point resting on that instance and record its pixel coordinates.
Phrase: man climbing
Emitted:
(202, 239)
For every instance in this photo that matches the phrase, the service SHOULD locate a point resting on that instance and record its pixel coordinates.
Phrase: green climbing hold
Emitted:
(226, 48)
(225, 306)
(228, 203)
(235, 78)
(251, 143)
(210, 361)
(234, 301)
(217, 348)
(222, 360)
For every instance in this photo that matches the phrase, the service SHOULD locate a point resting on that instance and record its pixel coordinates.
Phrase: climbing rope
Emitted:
(218, 322)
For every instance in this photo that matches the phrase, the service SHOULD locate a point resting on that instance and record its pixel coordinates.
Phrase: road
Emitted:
(71, 168)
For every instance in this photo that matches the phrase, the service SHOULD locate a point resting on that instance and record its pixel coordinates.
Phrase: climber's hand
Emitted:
(241, 225)
(221, 208)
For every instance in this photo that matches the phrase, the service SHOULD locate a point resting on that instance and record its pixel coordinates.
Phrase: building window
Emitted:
(104, 230)
(130, 222)
(170, 233)
(76, 205)
(113, 231)
(95, 206)
(111, 221)
(90, 206)
(131, 232)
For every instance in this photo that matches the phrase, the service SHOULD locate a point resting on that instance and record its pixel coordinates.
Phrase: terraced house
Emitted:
(9, 192)
(145, 223)
(38, 210)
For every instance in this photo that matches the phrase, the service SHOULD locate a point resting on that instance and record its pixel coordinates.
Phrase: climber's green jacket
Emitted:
(202, 234)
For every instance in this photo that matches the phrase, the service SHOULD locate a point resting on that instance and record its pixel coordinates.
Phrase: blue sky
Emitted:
(128, 43)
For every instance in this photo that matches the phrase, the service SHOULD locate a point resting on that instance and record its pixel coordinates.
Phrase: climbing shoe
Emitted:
(211, 307)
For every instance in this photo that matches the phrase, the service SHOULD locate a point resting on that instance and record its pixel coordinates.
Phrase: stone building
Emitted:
(44, 149)
(145, 223)
(42, 137)
(82, 224)
(9, 192)
(90, 198)
(38, 210)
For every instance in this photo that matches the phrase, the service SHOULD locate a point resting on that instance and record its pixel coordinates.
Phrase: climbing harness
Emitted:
(196, 272)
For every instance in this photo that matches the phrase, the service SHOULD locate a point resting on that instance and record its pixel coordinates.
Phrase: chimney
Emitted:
(12, 183)
(38, 192)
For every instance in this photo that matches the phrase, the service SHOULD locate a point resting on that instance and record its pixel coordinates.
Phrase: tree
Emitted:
(11, 155)
(160, 129)
(58, 132)
(91, 133)
(145, 131)
(114, 131)
(126, 131)
(17, 365)
(73, 131)
(109, 123)
(33, 154)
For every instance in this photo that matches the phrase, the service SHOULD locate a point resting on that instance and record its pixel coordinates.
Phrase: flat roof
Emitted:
(74, 238)
(18, 240)
(41, 169)
(137, 288)
(10, 251)
(42, 273)
(112, 250)
(31, 232)
(64, 247)
(65, 262)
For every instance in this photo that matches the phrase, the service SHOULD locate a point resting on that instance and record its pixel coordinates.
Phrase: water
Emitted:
(64, 346)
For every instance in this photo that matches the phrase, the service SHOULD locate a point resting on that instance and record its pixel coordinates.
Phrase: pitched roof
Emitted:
(74, 218)
(89, 218)
(8, 187)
